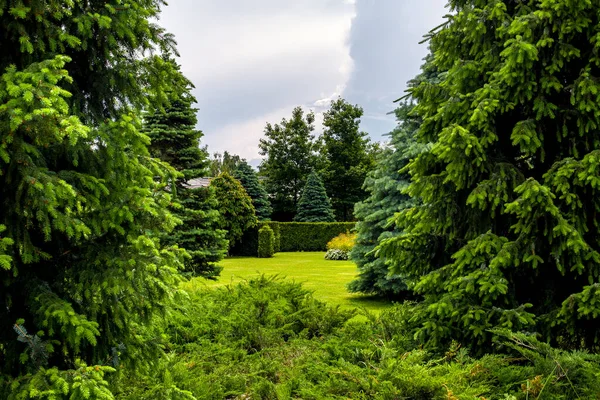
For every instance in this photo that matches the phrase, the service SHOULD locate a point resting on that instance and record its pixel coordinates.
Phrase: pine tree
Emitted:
(79, 199)
(506, 232)
(175, 140)
(314, 204)
(249, 180)
(235, 207)
(386, 186)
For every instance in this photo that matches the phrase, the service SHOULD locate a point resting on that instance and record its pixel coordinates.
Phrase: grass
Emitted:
(327, 279)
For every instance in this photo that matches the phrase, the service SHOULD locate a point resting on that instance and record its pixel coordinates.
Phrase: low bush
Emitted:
(266, 239)
(343, 241)
(270, 339)
(336, 254)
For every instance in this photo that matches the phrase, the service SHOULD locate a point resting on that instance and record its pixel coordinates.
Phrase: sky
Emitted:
(252, 62)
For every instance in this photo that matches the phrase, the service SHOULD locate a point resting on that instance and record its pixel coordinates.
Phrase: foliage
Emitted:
(347, 157)
(344, 241)
(175, 140)
(336, 254)
(270, 339)
(249, 180)
(235, 206)
(385, 186)
(248, 244)
(314, 204)
(266, 239)
(310, 236)
(290, 152)
(225, 162)
(506, 233)
(81, 199)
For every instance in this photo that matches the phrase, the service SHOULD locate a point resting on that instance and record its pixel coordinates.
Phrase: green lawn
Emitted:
(327, 279)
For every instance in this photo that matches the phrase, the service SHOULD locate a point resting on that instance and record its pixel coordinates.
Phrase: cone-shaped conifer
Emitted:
(314, 204)
(249, 180)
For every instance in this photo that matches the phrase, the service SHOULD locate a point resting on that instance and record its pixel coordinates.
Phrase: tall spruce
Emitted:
(506, 231)
(82, 270)
(314, 204)
(249, 180)
(235, 207)
(347, 157)
(386, 187)
(175, 140)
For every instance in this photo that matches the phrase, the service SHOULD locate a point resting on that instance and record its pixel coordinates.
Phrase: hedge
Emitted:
(310, 236)
(292, 236)
(248, 245)
(266, 239)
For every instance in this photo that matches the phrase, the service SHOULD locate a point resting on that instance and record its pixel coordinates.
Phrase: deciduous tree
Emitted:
(235, 206)
(346, 155)
(289, 148)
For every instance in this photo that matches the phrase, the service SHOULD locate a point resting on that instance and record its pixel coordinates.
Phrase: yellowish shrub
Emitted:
(344, 242)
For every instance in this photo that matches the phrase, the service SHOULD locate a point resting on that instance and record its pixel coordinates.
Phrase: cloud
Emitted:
(251, 60)
(385, 49)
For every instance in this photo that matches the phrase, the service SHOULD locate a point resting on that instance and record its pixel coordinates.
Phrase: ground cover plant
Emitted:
(270, 339)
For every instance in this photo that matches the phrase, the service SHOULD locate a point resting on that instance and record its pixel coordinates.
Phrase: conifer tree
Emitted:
(249, 180)
(386, 186)
(175, 140)
(314, 204)
(79, 200)
(237, 213)
(505, 232)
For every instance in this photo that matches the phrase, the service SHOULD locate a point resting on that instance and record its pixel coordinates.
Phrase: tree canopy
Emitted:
(235, 206)
(347, 160)
(505, 231)
(386, 187)
(83, 272)
(290, 152)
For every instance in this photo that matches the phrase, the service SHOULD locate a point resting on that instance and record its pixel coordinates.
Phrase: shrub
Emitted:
(248, 245)
(343, 241)
(336, 254)
(266, 237)
(310, 236)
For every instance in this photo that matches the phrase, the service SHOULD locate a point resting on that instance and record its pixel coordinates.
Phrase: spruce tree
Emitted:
(175, 140)
(83, 272)
(505, 233)
(314, 204)
(249, 180)
(386, 186)
(237, 213)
